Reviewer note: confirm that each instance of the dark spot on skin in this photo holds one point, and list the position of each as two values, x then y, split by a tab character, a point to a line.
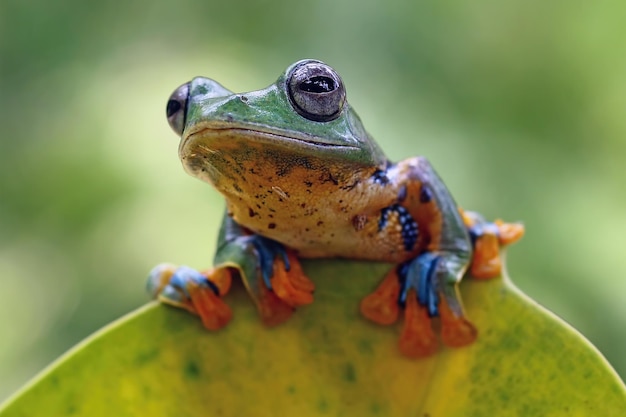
358	221
271	216
308	183
327	176
402	194
258	206
303	205
307	229
351	186
425	194
271	226
236	188
340	201
251	212
320	223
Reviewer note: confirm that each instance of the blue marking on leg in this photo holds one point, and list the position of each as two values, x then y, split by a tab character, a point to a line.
402	272
184	274
419	274
268	250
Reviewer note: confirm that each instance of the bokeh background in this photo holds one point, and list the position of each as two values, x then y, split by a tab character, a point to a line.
520	106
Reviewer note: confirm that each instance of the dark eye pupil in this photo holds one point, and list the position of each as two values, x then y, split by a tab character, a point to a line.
318	85
172	107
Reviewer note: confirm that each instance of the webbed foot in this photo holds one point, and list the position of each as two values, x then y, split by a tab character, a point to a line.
413	287
197	292
487	239
282	286
271	273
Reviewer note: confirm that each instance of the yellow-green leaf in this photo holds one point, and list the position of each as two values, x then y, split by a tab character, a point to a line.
328	361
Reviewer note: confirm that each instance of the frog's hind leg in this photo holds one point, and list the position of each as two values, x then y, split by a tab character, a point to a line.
420	288
427	281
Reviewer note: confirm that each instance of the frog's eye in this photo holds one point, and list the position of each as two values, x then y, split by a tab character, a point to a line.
176	109
316	91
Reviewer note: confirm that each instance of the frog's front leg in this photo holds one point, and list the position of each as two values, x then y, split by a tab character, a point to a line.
425	284
270	272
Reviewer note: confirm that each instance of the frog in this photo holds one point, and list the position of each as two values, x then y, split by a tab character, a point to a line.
303	179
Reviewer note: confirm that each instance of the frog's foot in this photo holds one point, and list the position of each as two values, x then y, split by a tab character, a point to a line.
288	288
197	292
487	239
412	286
280	284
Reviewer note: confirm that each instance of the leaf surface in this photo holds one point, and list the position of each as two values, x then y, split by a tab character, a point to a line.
328	361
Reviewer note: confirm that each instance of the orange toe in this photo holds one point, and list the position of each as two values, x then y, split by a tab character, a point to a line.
486	262
417	338
214	313
381	306
456	331
272	309
220	277
297	276
509	232
292	286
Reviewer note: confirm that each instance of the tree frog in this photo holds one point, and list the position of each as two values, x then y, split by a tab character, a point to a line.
303	179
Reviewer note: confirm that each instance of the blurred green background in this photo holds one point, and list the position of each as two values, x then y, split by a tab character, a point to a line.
520	106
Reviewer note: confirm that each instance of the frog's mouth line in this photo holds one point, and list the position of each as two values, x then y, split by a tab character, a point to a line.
263	136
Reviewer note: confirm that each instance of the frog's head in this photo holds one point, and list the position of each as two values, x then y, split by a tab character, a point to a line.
303	118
